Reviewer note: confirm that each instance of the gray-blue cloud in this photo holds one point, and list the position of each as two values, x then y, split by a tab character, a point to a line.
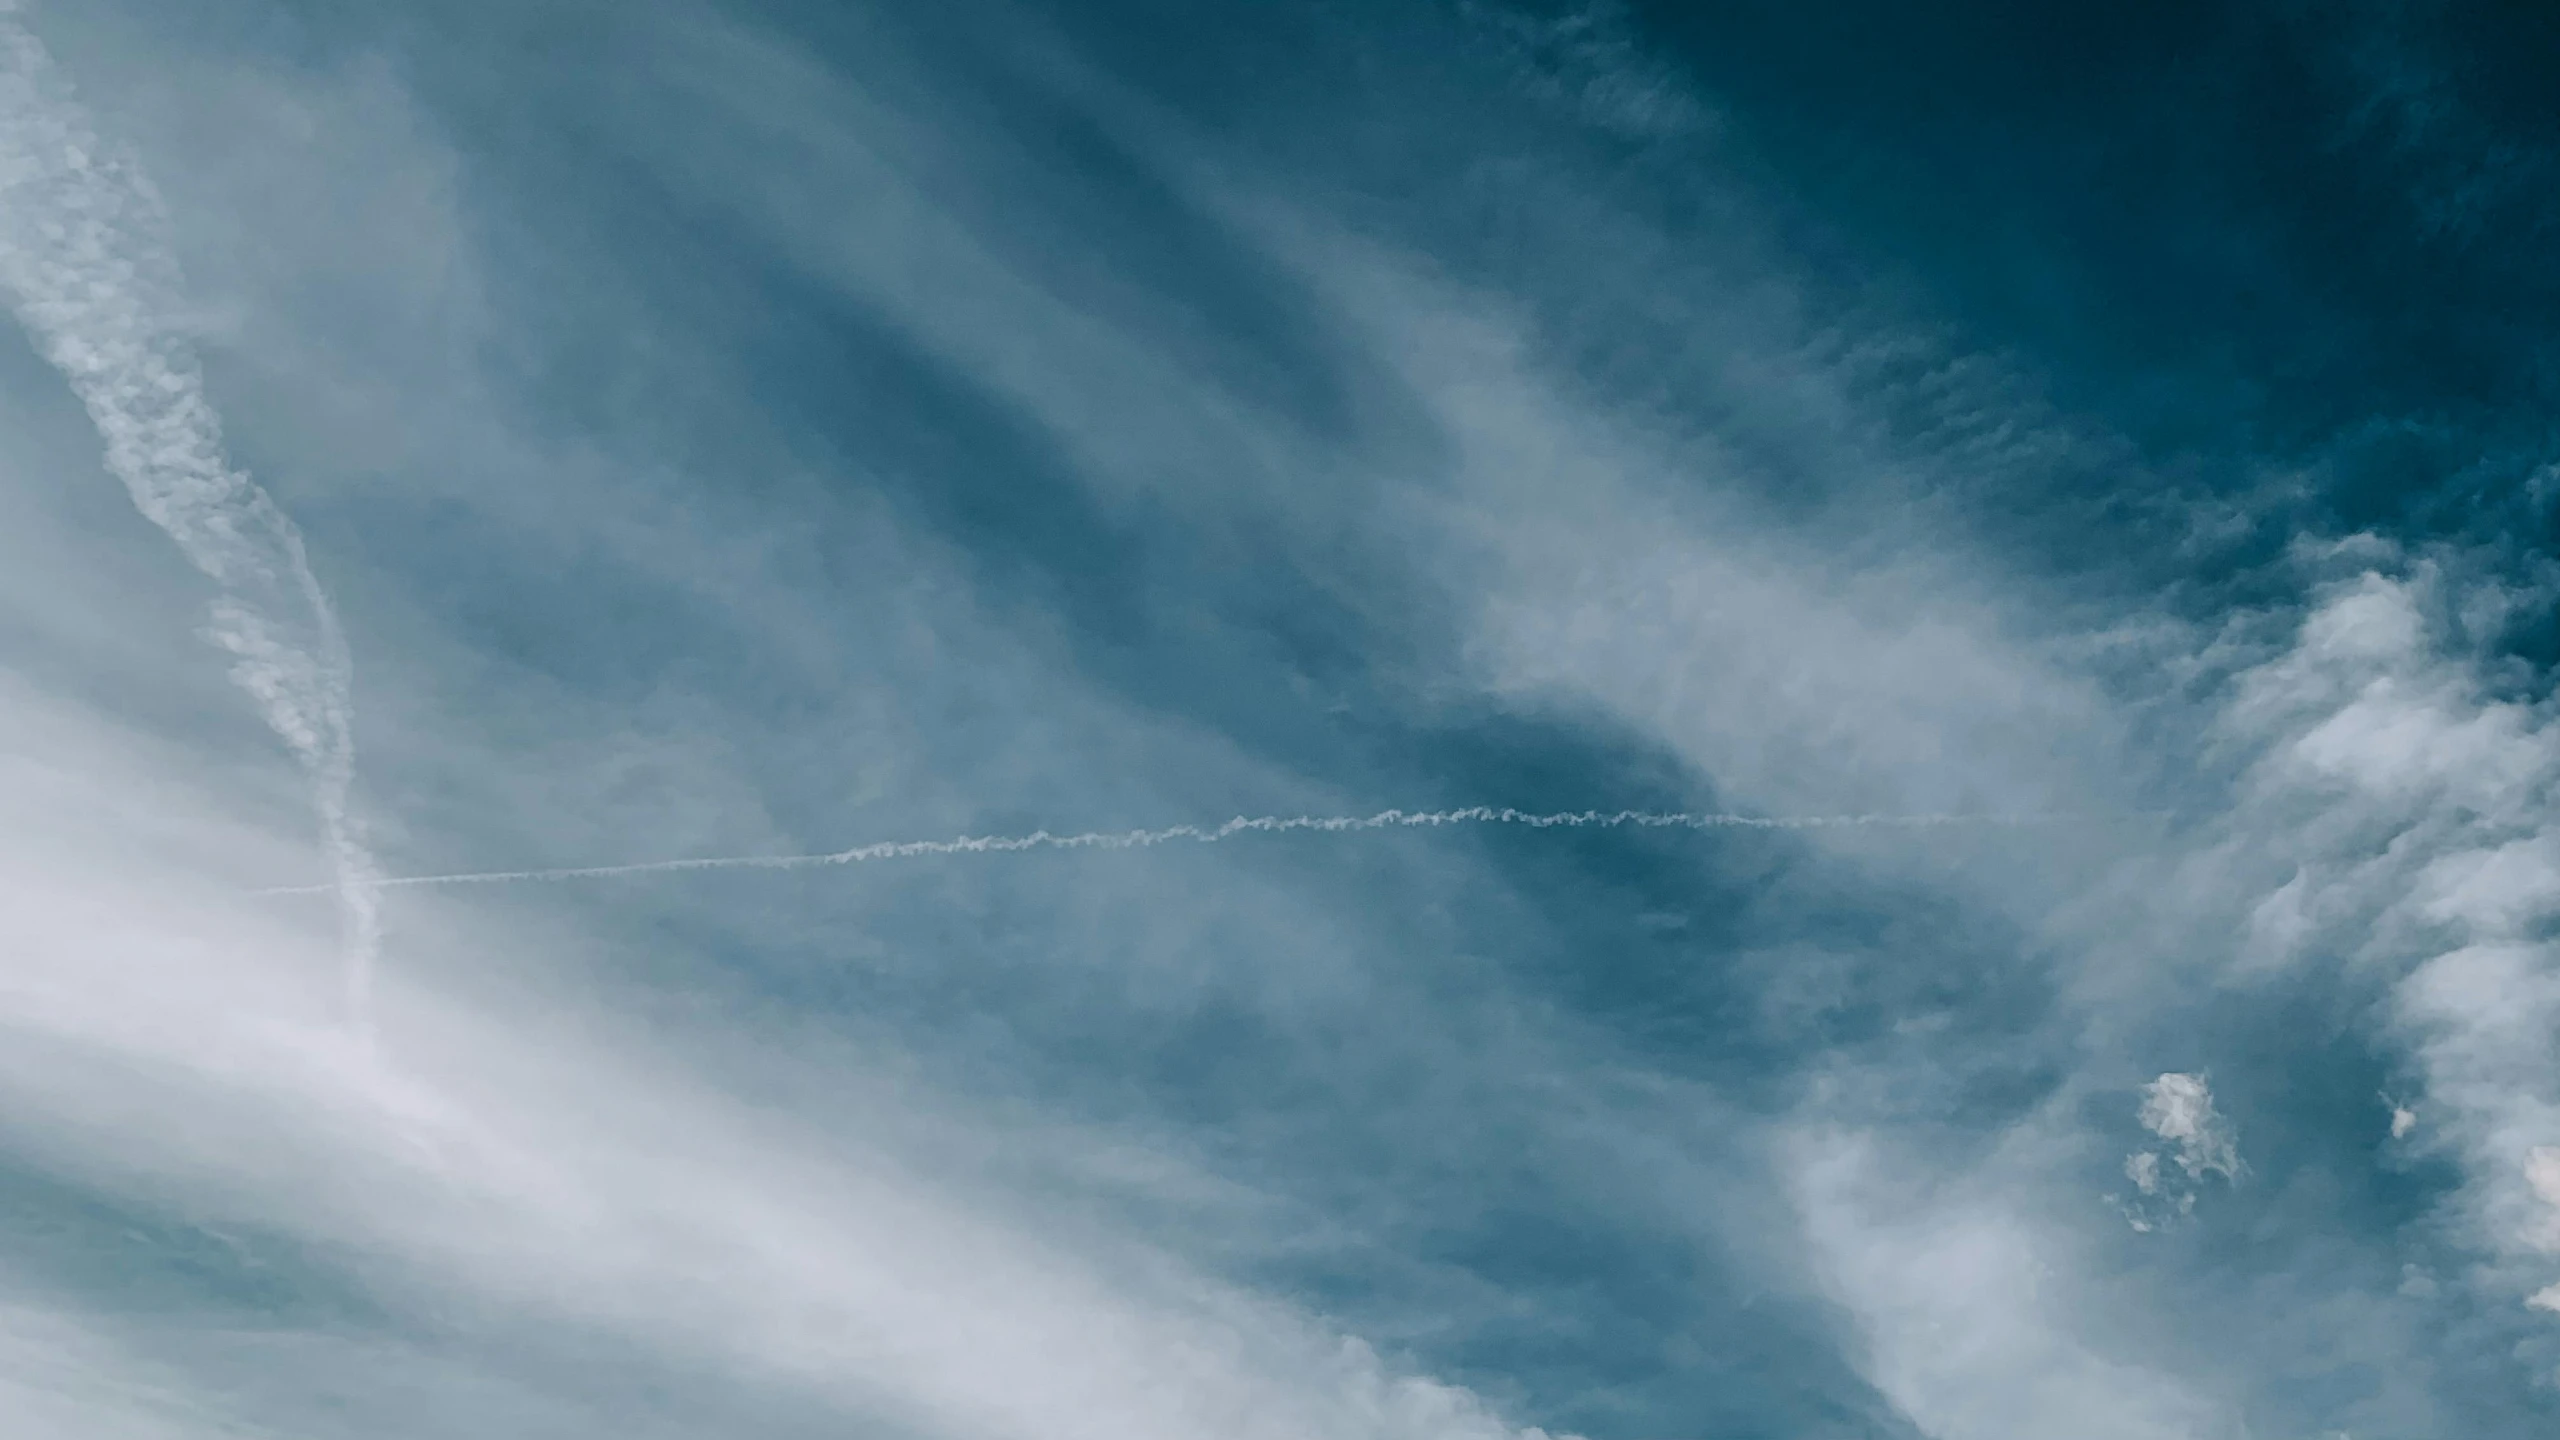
756	429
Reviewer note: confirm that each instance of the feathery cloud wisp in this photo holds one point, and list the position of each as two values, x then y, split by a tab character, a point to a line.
86	276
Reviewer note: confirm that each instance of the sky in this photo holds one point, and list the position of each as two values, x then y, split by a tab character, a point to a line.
1417	720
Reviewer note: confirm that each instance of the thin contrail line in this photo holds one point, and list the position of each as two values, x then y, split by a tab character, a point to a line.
1199	834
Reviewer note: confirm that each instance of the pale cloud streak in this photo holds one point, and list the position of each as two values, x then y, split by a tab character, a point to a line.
1597	571
488	1156
86	274
1965	1302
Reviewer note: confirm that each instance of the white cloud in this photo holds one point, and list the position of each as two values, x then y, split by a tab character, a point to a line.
168	1033
1792	681
2143	1168
1967	1307
1609	573
2415	802
2542	1172
2179	1109
537	1157
81	261
2542	1177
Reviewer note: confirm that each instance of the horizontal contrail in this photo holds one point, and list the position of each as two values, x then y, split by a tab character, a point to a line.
1200	834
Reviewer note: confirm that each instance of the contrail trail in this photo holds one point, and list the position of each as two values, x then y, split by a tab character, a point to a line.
82	261
1199	834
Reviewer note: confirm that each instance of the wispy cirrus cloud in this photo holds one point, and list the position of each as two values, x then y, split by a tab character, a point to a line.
784	426
86	273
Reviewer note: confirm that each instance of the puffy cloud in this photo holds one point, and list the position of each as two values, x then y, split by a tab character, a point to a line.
2179	1109
2412	794
2143	1169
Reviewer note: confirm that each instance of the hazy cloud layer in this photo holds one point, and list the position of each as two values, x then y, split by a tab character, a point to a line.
1634	506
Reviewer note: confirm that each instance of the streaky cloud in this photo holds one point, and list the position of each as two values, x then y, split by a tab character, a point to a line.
88	277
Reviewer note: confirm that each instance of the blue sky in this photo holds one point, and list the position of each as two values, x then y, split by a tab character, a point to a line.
471	436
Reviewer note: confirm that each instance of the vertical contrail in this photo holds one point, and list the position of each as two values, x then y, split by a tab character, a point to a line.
85	267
